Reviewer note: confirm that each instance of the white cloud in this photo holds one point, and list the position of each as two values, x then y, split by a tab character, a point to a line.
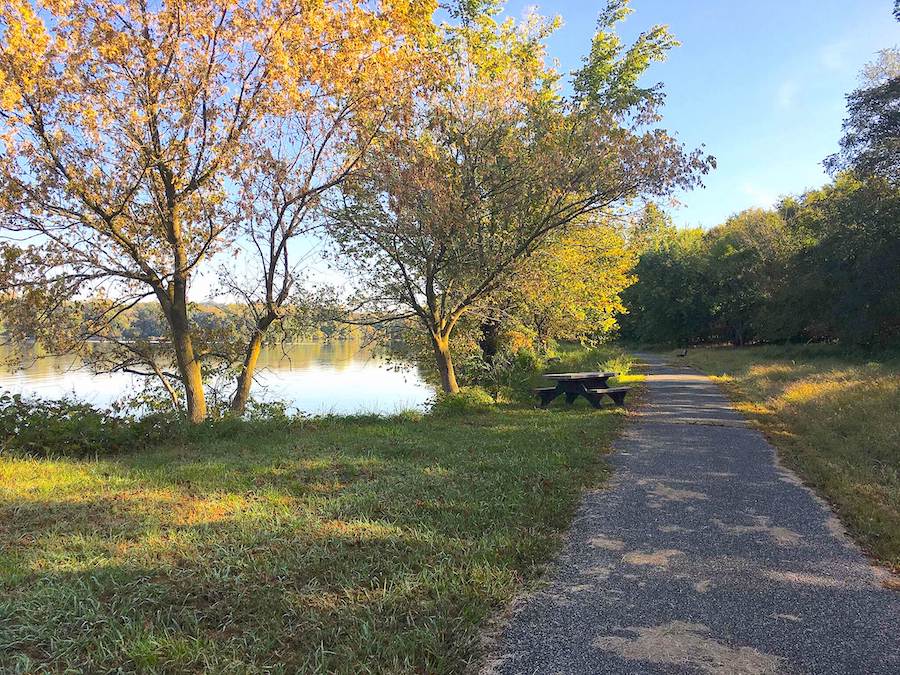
834	55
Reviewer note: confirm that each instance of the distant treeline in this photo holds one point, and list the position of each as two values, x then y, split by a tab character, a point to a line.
145	321
821	266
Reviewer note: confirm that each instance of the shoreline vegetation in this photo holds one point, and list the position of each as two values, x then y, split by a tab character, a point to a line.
834	416
355	544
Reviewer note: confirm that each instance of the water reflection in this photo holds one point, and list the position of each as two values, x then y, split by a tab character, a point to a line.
341	376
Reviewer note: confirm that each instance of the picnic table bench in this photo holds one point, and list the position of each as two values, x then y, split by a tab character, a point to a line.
590	385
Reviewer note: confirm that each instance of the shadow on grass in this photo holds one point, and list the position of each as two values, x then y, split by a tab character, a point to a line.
368	547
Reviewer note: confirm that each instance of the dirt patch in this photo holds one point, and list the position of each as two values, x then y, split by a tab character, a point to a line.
780	535
803	578
679	643
790	478
599	572
659	558
660	492
567	596
607	544
891	582
836	527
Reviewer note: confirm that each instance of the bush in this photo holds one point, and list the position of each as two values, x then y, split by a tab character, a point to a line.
71	428
620	363
68	427
466	400
510	373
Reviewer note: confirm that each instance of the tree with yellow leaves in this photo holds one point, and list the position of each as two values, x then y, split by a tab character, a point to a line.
125	127
571	288
305	151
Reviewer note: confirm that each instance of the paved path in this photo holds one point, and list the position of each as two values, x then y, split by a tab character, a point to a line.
703	556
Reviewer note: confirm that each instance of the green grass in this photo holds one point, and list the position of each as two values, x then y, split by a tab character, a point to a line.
835	418
342	545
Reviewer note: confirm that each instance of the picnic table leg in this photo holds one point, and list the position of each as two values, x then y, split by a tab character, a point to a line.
618	397
547	397
570	397
596	400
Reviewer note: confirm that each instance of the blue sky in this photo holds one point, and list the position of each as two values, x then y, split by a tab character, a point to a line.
760	82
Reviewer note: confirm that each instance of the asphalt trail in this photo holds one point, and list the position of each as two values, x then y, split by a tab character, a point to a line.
702	556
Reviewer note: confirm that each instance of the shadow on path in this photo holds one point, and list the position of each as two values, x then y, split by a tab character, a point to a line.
702	556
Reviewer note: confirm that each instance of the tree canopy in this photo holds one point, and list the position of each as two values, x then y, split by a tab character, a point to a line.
495	160
871	141
126	126
815	268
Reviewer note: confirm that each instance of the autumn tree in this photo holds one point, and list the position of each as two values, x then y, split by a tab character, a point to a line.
568	289
125	127
306	149
495	160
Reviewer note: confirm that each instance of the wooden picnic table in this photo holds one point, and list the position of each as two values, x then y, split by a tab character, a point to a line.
590	379
591	385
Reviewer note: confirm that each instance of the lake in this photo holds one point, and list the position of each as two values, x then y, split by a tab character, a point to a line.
340	377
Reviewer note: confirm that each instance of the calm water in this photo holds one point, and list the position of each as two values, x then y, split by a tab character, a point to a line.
314	377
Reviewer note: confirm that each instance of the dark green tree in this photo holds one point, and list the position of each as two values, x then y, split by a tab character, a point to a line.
744	255
870	145
841	283
671	301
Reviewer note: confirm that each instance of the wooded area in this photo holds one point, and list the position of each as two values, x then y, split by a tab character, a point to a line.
822	266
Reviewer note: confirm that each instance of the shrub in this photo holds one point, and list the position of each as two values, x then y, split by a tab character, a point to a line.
620	363
510	372
466	400
68	427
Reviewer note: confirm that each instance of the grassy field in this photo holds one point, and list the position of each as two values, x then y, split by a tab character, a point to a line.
835	419
336	545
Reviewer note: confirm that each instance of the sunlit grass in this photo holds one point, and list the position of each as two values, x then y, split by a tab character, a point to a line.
367	545
835	419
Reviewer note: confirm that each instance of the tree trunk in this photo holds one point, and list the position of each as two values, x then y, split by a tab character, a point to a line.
185	357
441	344
191	375
245	378
251	356
543	339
